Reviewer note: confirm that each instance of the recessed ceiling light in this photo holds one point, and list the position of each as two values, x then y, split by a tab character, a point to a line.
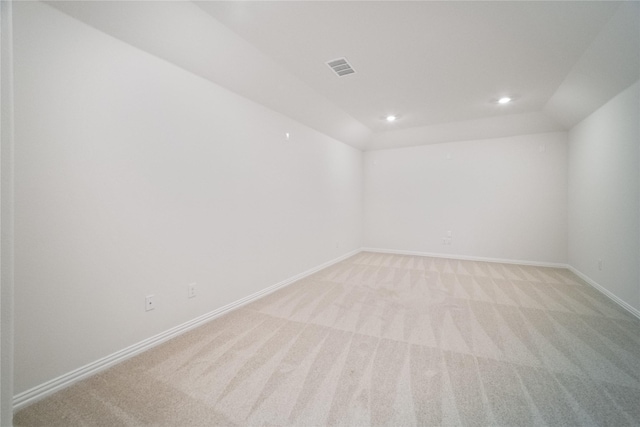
504	100
391	118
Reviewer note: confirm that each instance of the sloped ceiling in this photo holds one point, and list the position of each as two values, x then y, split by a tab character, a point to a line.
438	66
610	64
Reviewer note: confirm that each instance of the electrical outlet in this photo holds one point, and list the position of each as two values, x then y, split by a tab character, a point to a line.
149	302
191	290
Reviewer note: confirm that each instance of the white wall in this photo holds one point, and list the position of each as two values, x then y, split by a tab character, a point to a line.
6	215
604	196
501	198
135	177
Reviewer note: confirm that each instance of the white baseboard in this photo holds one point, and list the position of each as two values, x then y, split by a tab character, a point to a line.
632	310
467	258
605	291
38	392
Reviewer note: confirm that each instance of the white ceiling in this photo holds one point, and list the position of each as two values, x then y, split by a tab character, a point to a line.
439	66
429	62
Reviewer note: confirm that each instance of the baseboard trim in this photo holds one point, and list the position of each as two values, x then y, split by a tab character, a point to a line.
38	392
605	291
632	310
467	258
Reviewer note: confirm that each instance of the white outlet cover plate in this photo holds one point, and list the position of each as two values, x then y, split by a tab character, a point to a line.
149	303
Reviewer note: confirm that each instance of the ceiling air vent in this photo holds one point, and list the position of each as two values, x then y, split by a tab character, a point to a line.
341	67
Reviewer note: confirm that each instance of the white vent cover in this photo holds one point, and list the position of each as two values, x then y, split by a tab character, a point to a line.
341	67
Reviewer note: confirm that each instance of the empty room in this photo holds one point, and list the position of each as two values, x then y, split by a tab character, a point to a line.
302	213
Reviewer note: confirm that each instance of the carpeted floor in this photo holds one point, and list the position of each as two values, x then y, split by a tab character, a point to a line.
383	339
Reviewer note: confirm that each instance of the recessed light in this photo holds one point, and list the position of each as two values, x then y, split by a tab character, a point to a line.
391	118
504	100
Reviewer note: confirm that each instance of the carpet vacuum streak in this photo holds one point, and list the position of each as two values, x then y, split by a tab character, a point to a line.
381	339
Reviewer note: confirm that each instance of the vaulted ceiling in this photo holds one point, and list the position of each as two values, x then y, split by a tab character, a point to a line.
438	66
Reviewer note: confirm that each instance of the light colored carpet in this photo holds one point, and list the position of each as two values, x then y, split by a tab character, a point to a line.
383	339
